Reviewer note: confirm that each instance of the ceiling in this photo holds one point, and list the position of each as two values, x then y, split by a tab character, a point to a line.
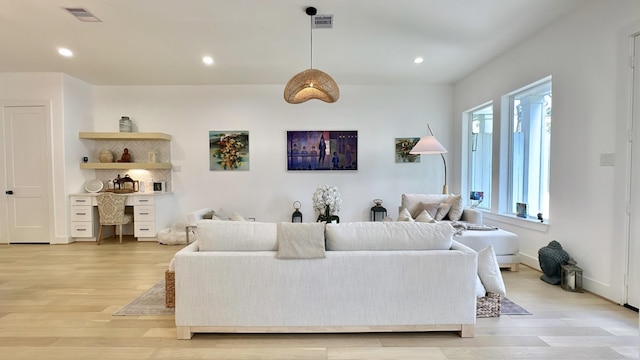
162	42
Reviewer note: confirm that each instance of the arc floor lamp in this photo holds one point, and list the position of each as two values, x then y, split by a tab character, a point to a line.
429	145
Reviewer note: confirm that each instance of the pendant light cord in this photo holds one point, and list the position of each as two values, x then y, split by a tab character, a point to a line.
311	36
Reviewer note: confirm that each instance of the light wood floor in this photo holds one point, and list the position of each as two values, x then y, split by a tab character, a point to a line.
56	302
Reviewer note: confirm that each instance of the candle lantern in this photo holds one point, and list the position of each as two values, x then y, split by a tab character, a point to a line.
378	213
571	277
296	217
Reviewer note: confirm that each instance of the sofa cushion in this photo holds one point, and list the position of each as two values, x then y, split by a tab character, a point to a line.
300	240
237	217
412	201
443	211
405	215
480	289
388	236
216	235
430	208
194	216
489	271
415	203
455	213
424	217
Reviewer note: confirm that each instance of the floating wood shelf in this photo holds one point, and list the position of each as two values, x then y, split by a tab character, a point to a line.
124	136
125	166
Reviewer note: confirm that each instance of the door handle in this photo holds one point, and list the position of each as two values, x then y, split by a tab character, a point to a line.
9	192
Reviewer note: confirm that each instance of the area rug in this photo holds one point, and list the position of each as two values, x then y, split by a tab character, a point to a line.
152	302
508	307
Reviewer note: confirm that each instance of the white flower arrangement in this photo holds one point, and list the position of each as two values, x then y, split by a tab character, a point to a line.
327	195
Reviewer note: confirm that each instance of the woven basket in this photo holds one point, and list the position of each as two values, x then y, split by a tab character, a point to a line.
170	289
488	306
120	191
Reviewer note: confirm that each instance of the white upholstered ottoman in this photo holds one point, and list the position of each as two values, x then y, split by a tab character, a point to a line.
505	244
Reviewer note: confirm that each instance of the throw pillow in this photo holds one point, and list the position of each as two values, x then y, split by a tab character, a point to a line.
387	219
480	290
489	271
442	212
455	213
411	201
301	240
237	217
209	215
424	217
405	215
430	208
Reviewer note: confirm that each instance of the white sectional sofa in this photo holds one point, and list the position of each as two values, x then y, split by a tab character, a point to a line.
505	244
371	277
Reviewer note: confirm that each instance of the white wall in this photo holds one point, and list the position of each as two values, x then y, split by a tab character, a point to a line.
78	114
267	190
586	52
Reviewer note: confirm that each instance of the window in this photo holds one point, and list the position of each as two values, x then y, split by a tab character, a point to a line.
529	145
480	137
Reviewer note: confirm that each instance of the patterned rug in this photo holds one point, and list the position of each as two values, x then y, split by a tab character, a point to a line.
508	307
152	302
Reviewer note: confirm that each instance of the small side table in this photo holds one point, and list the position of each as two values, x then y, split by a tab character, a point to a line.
188	229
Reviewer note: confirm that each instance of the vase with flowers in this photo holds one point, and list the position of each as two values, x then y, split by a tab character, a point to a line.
327	201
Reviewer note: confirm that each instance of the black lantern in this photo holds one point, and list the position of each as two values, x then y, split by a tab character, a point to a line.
378	213
296	217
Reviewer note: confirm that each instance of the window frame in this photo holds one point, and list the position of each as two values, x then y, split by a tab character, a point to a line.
469	116
540	87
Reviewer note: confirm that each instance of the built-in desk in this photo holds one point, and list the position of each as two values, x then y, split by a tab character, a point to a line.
152	212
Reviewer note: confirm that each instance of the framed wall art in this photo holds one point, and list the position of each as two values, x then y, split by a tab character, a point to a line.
322	150
403	147
228	150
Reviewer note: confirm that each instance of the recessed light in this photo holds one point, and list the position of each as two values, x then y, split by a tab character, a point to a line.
418	60
208	60
65	52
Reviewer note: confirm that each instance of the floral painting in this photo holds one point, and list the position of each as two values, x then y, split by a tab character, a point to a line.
322	150
403	147
228	150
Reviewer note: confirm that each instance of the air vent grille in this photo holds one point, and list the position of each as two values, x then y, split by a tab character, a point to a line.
83	14
323	22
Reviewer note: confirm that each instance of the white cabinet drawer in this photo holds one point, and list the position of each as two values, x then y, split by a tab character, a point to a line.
81	200
144	229
142	200
81	229
81	213
144	213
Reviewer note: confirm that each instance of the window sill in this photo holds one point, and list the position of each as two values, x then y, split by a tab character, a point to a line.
516	221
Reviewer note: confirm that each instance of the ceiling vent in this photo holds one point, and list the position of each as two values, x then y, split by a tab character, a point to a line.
83	14
323	22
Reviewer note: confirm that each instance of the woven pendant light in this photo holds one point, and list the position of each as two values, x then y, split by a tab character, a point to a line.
311	83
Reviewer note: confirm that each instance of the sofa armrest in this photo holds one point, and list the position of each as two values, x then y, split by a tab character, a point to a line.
472	216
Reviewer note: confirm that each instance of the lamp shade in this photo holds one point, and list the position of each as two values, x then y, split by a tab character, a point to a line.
311	84
428	144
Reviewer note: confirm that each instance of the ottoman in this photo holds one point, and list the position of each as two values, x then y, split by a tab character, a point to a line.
505	244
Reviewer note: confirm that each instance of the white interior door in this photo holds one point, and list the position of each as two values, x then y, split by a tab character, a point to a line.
633	273
26	174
